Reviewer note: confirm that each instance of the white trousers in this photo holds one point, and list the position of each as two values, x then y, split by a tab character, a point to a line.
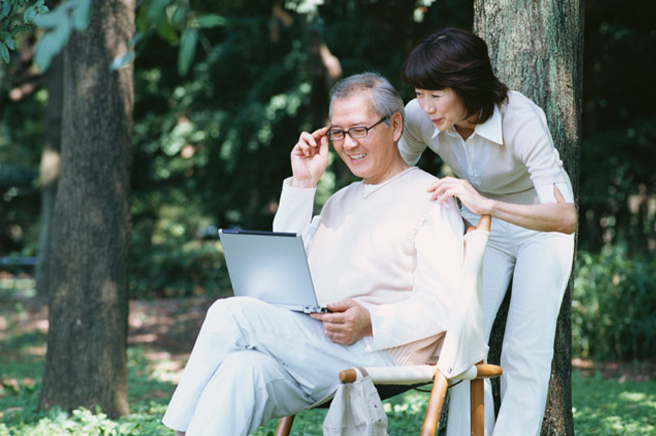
539	264
253	362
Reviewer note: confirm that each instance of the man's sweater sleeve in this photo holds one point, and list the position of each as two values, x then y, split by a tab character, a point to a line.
295	209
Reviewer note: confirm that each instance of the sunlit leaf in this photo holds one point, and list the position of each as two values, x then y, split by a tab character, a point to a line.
136	38
11	44
51	19
6	9
179	17
43	54
210	20
121	61
51	44
4	52
31	12
141	20
81	14
187	50
156	10
166	31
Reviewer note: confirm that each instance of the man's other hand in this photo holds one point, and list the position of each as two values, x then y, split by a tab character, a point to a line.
347	322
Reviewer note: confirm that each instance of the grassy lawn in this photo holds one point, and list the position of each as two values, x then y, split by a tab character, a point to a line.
159	341
613	407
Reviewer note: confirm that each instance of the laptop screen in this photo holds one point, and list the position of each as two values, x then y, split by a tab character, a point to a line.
270	266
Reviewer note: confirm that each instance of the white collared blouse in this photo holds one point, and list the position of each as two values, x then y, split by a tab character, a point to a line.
510	157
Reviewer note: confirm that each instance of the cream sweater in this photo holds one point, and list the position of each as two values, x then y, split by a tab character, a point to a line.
389	248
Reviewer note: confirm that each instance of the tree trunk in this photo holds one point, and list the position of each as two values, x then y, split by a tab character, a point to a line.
536	47
49	171
86	355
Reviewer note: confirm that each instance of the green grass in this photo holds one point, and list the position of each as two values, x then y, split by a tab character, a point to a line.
601	407
611	407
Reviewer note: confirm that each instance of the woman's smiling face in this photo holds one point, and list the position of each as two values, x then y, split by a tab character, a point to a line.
444	107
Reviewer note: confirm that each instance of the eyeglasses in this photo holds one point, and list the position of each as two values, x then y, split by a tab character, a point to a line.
353	132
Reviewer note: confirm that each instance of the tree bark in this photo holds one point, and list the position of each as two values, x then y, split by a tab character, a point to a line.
536	47
86	355
49	171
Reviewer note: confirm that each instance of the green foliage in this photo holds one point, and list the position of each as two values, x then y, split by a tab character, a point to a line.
69	16
213	150
33	11
11	25
216	142
170	255
58	25
175	22
188	43
613	307
618	180
618	191
20	146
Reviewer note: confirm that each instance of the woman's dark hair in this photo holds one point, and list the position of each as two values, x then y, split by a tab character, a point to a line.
457	59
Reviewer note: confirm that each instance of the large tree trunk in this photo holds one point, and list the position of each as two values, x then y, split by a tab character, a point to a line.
49	171
86	356
536	47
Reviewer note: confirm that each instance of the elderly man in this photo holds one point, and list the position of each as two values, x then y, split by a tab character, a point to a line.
385	260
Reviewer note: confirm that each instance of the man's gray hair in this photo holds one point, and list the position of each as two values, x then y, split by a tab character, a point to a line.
386	99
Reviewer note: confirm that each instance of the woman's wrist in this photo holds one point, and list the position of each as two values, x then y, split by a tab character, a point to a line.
489	207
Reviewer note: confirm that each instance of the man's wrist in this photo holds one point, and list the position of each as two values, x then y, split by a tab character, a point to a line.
302	184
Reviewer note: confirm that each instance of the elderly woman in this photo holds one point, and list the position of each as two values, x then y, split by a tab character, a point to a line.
385	258
498	144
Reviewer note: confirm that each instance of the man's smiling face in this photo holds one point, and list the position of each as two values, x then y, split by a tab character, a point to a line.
374	157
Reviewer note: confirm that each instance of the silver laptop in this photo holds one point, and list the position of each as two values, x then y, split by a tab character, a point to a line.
270	266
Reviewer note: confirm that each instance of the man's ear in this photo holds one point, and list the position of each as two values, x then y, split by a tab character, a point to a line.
396	121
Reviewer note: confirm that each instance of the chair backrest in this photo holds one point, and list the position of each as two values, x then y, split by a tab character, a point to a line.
464	343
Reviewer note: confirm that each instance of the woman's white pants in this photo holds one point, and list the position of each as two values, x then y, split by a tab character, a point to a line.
539	264
253	362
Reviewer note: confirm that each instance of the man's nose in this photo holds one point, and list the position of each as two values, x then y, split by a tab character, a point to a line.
349	142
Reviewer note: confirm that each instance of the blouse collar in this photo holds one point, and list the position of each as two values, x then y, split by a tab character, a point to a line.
491	129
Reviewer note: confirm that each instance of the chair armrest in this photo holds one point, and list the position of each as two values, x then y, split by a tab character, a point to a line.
411	375
484	223
393	375
479	371
486	370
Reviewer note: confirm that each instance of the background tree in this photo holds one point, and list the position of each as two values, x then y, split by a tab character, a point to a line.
537	48
49	172
86	353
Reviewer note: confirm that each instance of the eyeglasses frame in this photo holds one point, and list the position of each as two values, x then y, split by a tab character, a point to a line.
348	131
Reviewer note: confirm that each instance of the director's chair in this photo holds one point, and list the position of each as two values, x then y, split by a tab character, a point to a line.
462	354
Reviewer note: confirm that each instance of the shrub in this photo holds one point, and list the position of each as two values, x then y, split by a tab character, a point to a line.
613	306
